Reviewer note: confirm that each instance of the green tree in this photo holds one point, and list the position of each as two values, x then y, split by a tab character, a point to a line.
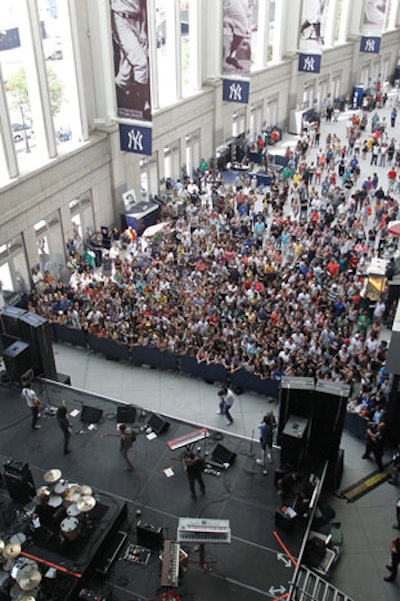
18	88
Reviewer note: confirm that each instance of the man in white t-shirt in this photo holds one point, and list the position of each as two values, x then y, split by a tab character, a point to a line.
33	403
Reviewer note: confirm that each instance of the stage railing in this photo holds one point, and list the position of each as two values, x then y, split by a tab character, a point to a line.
140	355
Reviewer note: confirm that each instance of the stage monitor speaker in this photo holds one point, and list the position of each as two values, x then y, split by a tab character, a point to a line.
149	536
91	415
19	481
36	331
222	455
18	359
126	414
157	423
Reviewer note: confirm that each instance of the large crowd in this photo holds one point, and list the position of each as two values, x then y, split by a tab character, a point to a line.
266	279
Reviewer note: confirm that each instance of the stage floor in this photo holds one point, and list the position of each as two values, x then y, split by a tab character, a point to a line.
257	564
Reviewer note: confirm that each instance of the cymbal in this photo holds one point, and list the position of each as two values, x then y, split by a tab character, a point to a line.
52	476
25	597
11	551
43	491
2	545
72	491
85	490
28	578
86	503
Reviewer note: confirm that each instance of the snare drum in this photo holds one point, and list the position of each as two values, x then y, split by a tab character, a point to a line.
70	528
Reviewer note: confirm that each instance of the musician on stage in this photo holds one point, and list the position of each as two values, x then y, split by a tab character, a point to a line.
194	467
126	439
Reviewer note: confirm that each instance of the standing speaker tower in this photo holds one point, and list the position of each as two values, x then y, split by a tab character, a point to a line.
35	330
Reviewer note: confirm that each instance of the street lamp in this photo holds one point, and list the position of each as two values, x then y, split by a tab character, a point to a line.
21	108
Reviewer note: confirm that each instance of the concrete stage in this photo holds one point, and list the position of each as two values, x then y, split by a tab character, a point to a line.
258	563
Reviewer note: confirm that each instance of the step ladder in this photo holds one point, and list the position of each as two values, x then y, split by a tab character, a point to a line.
311	587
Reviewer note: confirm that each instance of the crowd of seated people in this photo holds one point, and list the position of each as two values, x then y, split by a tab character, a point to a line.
269	280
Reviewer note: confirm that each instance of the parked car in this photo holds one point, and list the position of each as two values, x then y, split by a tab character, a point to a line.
18	130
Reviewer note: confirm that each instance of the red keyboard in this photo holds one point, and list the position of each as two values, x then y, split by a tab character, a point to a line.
188	439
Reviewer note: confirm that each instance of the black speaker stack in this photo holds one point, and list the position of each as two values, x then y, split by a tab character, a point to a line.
18	361
311	419
18	480
33	330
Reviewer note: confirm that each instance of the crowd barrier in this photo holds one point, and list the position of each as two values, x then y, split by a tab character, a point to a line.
355	424
139	355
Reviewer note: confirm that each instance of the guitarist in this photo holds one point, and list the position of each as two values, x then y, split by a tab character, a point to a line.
126	439
33	402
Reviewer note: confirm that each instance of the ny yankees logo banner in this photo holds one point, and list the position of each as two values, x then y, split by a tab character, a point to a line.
312	35
372	24
135	138
129	25
237	50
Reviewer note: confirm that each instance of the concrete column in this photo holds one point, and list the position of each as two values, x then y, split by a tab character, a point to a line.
330	23
176	34
344	22
393	20
152	27
260	58
212	35
8	159
279	44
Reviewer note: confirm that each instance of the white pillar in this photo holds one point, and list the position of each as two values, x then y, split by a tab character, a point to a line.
212	34
8	159
36	76
393	15
195	30
260	59
330	23
152	27
278	44
344	22
178	49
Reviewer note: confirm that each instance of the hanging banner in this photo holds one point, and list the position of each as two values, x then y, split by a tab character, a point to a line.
132	72
373	21
135	138
237	50
311	39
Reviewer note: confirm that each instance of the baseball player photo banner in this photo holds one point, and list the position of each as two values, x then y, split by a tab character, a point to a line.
311	39
236	64
373	20
135	138
131	58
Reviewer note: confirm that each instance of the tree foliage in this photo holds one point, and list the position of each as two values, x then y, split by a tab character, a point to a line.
18	88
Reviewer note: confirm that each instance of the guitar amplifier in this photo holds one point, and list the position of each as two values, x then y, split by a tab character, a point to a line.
18	480
149	536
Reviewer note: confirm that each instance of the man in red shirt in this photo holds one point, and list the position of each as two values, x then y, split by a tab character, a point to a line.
392	178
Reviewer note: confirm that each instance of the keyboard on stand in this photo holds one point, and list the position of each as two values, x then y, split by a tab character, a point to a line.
188	440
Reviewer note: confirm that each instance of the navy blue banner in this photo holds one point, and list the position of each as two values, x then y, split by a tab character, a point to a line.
135	138
236	91
310	63
370	44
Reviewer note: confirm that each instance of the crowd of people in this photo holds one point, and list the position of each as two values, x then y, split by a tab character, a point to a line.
266	279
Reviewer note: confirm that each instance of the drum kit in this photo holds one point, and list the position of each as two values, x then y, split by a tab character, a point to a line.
77	501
